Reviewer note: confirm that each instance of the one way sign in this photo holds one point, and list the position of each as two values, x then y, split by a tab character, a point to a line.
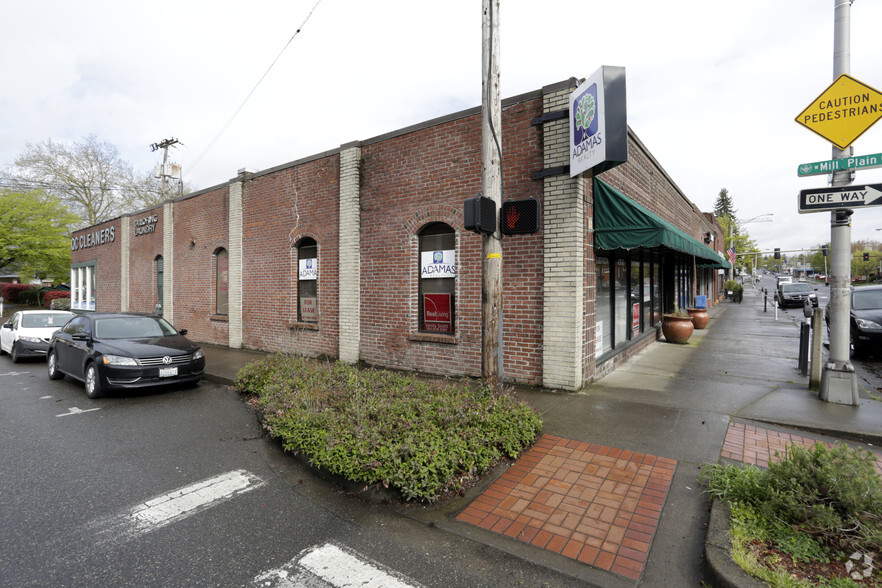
819	199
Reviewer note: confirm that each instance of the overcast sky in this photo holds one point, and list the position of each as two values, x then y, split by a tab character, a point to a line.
713	87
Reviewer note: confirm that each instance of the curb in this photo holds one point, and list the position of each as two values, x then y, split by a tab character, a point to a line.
719	567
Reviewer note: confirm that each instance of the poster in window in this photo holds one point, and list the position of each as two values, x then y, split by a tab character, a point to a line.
308	269
438	264
308	309
635	318
436	313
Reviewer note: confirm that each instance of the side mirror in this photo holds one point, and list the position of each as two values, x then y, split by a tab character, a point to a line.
183	331
7	325
80	337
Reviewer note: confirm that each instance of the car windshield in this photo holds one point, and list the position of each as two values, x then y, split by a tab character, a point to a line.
867	299
41	320
796	288
132	327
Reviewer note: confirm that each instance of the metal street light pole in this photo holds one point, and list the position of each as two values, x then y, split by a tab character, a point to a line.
838	381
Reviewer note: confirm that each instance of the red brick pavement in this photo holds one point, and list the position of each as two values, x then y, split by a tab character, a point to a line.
595	504
758	445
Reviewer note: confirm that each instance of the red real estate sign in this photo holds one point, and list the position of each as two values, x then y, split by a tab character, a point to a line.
436	313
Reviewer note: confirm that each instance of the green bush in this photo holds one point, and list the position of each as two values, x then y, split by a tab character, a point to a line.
30	297
60	303
380	427
58	295
811	502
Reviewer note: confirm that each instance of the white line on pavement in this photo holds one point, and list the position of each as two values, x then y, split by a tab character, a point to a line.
335	566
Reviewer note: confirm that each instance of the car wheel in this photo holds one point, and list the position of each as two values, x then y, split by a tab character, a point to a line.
93	382
52	366
13	353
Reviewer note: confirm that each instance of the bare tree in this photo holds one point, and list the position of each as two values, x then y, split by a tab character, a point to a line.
89	177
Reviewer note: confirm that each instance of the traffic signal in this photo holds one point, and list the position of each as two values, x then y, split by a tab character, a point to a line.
479	215
521	217
866	256
825	250
777	253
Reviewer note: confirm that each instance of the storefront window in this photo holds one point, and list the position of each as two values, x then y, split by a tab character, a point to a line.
620	302
83	279
222	281
636	301
656	292
603	316
159	279
437	283
307	281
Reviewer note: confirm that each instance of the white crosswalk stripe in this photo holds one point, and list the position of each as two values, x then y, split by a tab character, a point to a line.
332	566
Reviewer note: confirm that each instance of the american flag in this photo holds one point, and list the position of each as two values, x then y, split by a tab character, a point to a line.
731	252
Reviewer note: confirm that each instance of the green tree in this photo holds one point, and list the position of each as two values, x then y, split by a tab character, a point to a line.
35	235
724	207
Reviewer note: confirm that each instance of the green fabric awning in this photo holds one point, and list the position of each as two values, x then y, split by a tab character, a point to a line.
620	223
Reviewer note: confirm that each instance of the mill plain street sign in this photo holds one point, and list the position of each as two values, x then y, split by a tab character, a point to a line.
843	112
834	165
820	199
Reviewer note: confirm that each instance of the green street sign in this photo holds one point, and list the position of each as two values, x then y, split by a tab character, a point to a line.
833	165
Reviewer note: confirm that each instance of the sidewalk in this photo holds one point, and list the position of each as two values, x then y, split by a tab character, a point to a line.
610	493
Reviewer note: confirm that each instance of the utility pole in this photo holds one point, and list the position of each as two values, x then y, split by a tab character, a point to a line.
164	145
839	382
491	186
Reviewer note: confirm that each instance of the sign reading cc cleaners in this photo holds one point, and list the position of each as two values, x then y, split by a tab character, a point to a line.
843	112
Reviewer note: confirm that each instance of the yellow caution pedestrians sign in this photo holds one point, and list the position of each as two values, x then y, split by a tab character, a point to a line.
843	112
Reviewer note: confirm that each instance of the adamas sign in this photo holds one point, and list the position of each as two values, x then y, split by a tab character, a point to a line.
438	264
599	122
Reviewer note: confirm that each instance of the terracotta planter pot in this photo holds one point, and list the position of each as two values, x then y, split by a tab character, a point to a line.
677	329
699	317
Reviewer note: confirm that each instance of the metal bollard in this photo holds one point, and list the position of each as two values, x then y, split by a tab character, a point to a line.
803	347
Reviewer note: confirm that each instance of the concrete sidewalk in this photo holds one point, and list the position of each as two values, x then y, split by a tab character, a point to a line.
610	493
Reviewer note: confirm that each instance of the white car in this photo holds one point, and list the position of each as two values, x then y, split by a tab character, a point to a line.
27	332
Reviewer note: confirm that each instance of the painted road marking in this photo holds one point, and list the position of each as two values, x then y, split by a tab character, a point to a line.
14	374
335	566
175	506
75	410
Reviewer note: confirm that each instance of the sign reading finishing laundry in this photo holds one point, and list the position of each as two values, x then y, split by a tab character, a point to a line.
599	122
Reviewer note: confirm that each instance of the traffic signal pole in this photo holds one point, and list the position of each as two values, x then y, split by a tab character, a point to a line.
838	381
491	186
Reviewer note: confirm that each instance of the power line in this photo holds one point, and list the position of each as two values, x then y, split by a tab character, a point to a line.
248	97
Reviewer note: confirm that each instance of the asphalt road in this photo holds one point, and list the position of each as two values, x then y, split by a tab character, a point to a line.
179	488
868	368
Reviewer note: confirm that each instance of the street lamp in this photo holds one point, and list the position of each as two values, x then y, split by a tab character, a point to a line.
762	218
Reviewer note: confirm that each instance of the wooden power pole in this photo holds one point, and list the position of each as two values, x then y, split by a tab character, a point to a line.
491	185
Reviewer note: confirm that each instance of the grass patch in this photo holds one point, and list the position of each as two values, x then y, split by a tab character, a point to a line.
799	522
420	437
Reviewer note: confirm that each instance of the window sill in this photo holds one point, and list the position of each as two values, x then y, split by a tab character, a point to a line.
297	326
429	338
220	318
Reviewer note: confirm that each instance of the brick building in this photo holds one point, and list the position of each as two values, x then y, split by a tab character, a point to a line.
333	254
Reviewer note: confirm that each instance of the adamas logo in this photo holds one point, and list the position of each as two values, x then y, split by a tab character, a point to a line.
438	257
309	264
585	121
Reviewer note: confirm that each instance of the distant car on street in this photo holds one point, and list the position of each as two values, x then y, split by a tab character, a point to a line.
27	332
790	294
865	321
111	351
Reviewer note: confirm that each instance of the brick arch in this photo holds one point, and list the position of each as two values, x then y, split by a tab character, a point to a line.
435	213
300	232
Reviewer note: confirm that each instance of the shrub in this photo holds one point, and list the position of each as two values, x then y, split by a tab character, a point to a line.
380	427
51	295
61	304
10	292
832	496
30	296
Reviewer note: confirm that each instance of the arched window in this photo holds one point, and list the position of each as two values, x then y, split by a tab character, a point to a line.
437	289
159	279
222	281
307	281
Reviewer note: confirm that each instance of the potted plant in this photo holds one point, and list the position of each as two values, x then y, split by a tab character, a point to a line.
677	326
699	316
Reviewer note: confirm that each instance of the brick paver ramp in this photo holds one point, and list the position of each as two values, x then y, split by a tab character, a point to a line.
595	504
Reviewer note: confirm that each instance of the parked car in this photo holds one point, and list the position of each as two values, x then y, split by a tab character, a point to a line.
111	351
796	294
782	280
27	332
865	320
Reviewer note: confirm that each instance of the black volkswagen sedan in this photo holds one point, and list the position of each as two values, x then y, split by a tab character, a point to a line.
865	322
110	351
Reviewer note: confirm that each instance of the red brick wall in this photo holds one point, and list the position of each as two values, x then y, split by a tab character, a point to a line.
143	250
423	177
201	228
279	210
107	257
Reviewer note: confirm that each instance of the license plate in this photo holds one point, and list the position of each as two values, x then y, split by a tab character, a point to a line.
167	372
